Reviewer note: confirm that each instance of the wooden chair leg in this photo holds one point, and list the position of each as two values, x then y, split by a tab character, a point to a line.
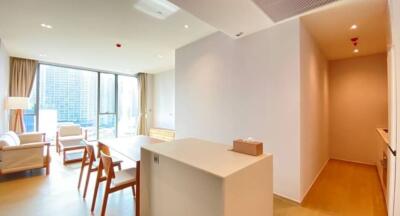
104	206
105	199
57	147
87	182
64	154
80	174
83	164
48	158
96	188
48	168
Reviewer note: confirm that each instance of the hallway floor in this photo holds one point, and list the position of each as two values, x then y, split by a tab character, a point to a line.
342	189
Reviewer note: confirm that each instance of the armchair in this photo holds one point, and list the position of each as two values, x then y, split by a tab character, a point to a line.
69	132
24	152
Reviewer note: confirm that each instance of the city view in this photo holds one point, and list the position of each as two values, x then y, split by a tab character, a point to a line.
70	96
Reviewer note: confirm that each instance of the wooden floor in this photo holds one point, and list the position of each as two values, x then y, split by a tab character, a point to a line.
33	193
342	189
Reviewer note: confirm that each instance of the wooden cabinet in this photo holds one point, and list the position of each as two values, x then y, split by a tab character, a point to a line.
382	157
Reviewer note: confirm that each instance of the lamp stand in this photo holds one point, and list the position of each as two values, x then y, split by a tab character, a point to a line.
19	119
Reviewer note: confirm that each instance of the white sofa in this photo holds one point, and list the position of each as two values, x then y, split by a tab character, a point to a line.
23	152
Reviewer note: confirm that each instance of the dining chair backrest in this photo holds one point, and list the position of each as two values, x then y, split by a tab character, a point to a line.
107	165
103	149
90	153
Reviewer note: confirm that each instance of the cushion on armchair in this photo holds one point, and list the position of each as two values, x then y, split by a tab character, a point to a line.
31	137
9	139
67	138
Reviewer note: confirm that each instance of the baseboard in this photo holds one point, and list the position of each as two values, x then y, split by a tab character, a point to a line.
315	179
286	198
353	161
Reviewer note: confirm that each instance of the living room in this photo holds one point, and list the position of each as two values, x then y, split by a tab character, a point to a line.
133	107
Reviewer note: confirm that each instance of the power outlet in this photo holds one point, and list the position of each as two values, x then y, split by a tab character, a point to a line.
156	159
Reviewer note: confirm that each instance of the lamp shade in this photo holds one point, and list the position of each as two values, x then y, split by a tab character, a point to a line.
14	103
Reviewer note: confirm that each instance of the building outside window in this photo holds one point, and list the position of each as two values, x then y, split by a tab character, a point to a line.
70	96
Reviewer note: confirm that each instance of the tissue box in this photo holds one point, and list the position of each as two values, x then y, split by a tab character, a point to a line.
250	147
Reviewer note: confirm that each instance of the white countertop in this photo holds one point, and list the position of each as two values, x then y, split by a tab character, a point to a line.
213	158
384	134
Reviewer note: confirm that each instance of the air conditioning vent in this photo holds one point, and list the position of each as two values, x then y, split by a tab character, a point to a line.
160	9
279	10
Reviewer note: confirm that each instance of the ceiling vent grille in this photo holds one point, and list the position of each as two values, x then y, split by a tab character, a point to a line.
160	9
279	10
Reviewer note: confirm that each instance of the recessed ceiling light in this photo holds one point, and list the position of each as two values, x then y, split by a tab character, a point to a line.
353	27
42	55
356	51
46	26
186	26
160	56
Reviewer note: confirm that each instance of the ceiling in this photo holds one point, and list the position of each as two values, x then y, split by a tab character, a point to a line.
85	33
239	18
229	16
331	28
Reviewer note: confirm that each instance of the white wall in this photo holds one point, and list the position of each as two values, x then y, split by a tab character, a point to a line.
314	111
164	100
358	104
227	89
4	83
394	6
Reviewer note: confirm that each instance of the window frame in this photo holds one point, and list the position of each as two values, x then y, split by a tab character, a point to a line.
98	114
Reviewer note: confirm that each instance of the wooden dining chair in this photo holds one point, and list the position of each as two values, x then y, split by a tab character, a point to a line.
115	181
89	160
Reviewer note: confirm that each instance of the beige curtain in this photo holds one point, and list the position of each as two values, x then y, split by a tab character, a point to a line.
142	122
22	75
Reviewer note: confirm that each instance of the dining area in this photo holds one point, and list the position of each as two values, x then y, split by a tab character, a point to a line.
99	162
166	176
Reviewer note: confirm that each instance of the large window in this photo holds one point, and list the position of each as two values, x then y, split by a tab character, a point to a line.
127	108
67	96
103	103
107	114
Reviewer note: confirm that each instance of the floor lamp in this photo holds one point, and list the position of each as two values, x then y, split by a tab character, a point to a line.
18	104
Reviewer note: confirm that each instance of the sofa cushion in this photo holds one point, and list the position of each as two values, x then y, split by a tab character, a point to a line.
9	139
15	137
5	140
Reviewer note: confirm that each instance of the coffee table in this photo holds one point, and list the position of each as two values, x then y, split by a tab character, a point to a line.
72	150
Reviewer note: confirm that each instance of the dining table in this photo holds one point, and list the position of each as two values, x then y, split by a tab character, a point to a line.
130	147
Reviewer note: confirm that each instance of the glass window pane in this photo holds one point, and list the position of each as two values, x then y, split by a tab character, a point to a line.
107	93
107	126
30	114
67	96
127	106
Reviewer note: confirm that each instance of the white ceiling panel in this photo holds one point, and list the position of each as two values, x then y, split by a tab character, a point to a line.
233	17
85	33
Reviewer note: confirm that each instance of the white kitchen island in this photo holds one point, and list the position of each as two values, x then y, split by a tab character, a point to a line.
192	177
